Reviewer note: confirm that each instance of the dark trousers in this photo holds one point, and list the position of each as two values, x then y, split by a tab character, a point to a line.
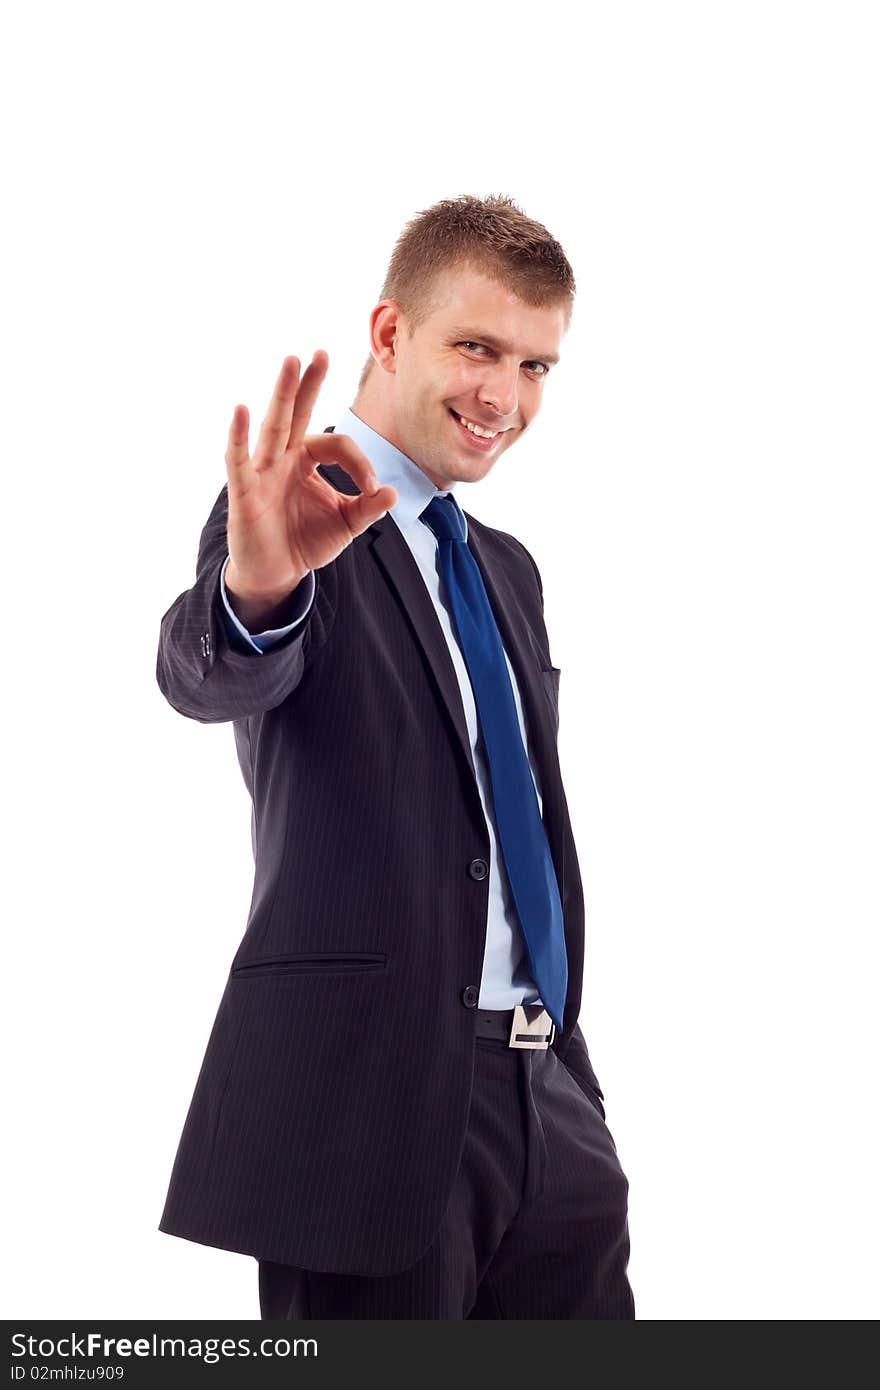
536	1225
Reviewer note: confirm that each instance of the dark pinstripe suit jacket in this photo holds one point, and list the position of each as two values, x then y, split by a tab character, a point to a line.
329	1114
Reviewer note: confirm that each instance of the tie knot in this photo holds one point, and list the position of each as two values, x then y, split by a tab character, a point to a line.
444	519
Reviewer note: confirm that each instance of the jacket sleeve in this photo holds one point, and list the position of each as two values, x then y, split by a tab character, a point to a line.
204	671
577	1059
575	1056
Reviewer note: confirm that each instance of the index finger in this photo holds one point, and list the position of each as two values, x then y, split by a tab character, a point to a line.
341	449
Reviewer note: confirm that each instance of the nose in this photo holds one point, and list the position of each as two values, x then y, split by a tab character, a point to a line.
499	389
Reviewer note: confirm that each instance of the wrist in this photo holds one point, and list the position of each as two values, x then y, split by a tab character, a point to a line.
259	609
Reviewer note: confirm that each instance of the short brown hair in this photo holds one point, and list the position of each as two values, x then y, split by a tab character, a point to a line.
494	235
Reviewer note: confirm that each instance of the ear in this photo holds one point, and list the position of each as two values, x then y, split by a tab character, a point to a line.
385	323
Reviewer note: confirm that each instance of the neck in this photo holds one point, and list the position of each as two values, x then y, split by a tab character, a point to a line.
369	406
374	408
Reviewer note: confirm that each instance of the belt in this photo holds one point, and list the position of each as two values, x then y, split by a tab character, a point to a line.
526	1025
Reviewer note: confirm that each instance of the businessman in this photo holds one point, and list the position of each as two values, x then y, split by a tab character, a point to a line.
396	1114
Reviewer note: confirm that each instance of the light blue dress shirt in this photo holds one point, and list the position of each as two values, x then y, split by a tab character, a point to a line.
506	978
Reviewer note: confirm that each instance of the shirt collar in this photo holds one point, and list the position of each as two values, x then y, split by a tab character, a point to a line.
413	487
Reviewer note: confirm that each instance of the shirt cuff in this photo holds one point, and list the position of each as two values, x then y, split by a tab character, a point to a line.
304	591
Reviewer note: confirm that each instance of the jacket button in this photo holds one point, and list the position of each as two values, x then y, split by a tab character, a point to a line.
478	868
470	997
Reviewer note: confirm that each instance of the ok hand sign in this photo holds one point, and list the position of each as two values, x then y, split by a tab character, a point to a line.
284	519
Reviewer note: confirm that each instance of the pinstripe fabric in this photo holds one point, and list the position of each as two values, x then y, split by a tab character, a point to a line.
535	1226
329	1114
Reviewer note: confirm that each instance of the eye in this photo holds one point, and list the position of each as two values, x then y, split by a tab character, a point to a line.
540	367
475	347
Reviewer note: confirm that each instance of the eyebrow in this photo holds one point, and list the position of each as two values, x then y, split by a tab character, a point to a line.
499	344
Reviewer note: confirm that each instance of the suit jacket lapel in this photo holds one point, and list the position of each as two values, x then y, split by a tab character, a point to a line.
396	559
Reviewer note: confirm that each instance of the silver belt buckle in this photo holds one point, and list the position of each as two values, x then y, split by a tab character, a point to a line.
529	1027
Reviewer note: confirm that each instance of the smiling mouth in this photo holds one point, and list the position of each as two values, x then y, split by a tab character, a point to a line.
477	431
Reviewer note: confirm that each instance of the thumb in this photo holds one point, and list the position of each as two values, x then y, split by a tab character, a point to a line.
363	510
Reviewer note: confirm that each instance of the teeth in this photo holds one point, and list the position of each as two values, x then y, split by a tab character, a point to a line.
477	429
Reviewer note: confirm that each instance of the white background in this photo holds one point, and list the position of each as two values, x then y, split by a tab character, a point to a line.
194	191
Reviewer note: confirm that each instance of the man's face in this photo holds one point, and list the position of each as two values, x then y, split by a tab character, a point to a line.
482	355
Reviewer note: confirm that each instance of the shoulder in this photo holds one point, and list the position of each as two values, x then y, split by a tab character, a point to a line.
505	548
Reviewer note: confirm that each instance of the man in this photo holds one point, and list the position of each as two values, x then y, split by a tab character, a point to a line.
396	1114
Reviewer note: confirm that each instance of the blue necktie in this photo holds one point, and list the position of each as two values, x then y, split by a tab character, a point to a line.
523	840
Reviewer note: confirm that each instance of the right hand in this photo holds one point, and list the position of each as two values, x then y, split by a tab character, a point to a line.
283	518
